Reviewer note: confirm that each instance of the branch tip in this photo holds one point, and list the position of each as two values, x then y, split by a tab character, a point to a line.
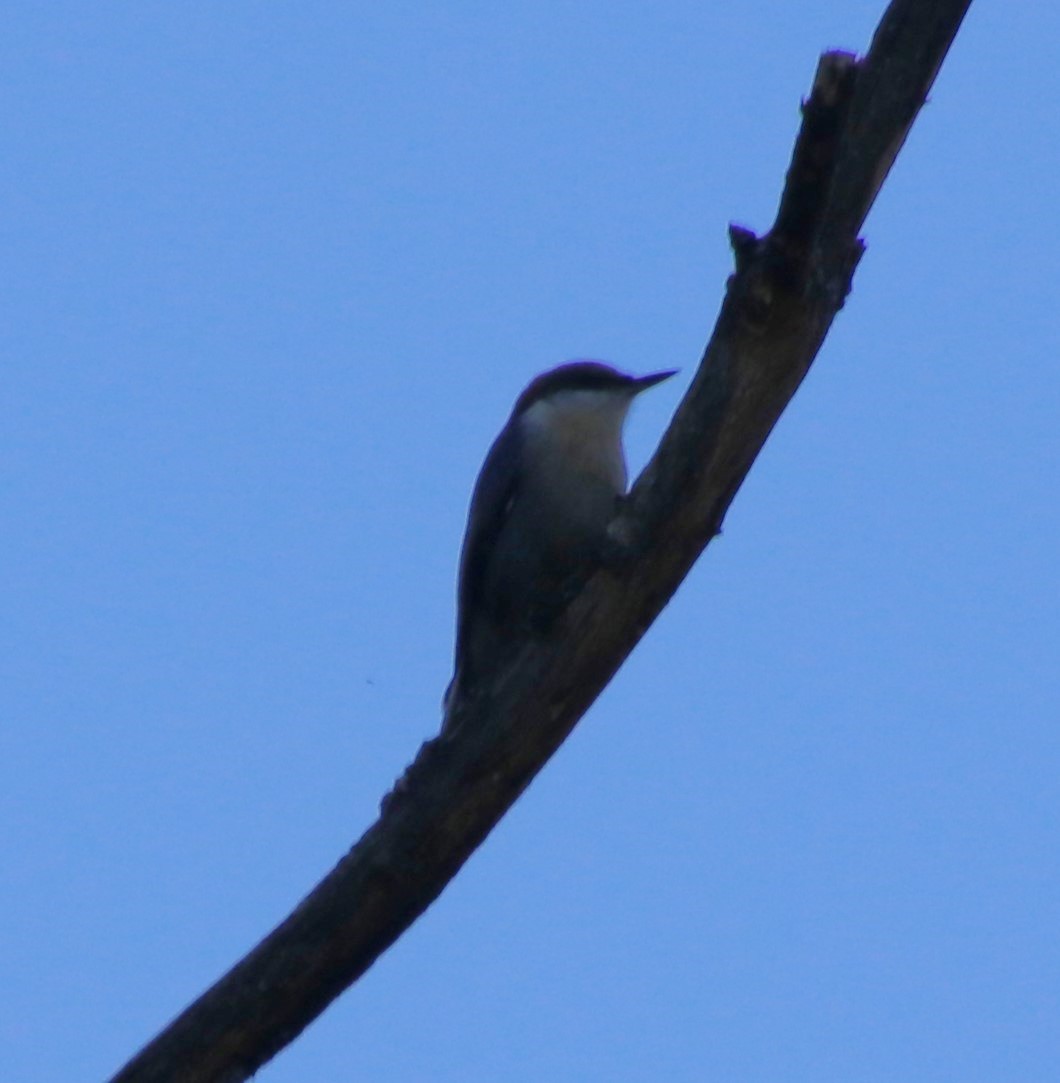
745	244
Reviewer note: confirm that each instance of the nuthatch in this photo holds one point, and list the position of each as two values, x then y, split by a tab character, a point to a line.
540	509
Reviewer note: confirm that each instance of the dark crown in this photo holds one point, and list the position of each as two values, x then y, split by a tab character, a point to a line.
575	376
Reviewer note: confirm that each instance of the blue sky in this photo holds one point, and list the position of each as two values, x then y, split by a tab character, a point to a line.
274	275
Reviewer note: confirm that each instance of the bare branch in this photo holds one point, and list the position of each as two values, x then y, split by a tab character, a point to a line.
786	290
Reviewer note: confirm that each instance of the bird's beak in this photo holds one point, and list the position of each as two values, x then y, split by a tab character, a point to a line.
642	383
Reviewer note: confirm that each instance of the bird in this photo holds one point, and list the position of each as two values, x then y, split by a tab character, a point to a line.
548	488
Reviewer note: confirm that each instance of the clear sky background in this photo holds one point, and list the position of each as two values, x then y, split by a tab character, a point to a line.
273	276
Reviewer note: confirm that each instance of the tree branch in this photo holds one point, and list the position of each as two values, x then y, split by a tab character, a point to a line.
786	289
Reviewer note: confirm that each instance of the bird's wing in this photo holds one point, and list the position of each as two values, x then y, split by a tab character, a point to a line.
495	493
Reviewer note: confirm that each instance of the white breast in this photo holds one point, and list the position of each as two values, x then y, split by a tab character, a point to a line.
577	435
